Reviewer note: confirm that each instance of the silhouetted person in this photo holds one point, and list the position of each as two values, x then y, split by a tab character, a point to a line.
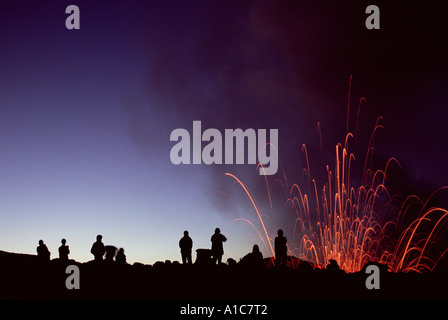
333	266
185	245
280	249
256	254
98	248
217	248
231	262
42	251
121	257
253	259
110	253
63	251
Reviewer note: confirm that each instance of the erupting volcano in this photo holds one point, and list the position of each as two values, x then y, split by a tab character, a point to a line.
355	224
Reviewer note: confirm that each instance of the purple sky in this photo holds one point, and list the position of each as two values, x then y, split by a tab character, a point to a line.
85	115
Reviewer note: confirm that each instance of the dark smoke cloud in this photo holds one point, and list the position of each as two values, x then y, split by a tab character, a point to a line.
287	65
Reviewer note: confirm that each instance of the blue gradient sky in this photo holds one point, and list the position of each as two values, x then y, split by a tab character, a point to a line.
85	115
69	165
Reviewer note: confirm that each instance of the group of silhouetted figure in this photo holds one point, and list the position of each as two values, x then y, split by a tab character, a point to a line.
99	250
44	254
217	249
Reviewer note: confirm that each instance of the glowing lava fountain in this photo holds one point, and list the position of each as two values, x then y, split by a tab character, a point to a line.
355	224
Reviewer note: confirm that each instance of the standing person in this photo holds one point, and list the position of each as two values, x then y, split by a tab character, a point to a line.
63	251
185	245
217	248
42	251
98	248
280	249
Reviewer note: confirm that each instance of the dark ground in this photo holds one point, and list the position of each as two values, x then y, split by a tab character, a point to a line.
25	277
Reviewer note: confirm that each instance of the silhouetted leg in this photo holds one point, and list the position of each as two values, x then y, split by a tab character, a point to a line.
282	261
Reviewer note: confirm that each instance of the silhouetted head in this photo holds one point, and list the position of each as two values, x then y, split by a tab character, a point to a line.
63	241
99	237
185	233
280	232
255	248
121	250
217	231
41	242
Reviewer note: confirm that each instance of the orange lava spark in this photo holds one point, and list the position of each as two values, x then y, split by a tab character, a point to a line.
344	222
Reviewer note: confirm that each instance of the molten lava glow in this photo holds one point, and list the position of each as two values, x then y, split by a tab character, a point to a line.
346	223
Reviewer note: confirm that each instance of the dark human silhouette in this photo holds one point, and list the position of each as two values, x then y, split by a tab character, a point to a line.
280	249
121	257
185	245
110	252
253	259
305	267
217	248
98	248
231	262
63	251
333	266
42	251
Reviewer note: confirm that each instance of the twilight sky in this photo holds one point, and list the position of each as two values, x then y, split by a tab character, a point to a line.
86	115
